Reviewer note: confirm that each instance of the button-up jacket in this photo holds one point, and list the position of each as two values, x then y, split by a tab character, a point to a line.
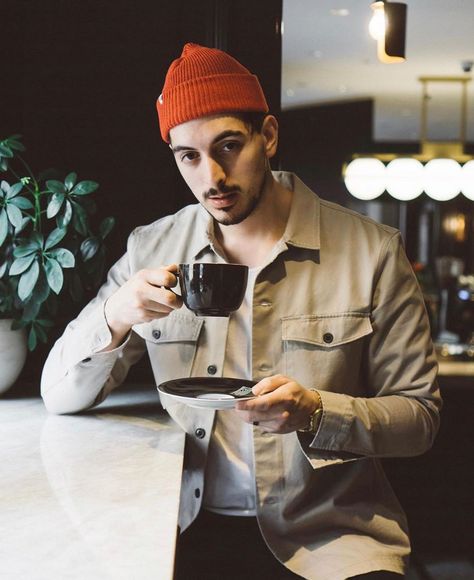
338	309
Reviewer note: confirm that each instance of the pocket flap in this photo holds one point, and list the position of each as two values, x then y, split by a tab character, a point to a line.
176	327
328	330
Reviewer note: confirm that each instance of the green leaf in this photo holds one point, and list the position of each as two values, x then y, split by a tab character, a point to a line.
5	151
30	246
3	226
85	187
32	307
41	290
70	181
3	269
14	190
22	202
57	200
3	164
32	342
55	186
64	220
24	223
55	237
4	187
89	248
13	143
79	218
41	333
63	256
28	281
14	215
106	227
21	264
54	274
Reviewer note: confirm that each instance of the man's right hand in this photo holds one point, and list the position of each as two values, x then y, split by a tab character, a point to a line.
144	297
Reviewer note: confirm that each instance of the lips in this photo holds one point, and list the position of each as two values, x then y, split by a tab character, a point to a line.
222	201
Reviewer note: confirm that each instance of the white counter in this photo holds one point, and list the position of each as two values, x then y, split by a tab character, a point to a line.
92	496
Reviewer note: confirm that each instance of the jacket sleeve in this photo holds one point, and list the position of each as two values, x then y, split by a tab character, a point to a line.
400	417
76	374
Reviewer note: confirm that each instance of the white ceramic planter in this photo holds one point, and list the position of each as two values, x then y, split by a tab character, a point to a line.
12	353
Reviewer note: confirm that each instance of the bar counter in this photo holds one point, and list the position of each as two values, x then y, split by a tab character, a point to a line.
93	495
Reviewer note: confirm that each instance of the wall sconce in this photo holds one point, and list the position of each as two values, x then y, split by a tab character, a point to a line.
388	28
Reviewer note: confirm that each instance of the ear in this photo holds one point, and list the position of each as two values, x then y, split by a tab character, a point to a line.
270	135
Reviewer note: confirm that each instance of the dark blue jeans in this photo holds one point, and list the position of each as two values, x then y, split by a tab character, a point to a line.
219	547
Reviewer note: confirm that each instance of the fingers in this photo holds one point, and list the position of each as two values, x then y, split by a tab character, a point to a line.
281	405
269	384
164	276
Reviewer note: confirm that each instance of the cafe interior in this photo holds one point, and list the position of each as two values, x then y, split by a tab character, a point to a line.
382	125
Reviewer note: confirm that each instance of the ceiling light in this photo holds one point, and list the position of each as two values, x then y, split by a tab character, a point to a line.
441	169
467	180
388	27
404	178
365	178
340	12
442	179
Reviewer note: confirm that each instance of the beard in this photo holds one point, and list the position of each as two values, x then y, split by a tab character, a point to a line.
237	215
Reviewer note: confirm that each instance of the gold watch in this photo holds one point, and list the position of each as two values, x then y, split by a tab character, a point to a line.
315	417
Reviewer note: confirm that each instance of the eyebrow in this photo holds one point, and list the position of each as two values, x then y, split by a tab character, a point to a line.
217	138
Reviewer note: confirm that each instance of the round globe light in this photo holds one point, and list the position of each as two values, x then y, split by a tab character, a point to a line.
365	178
442	179
404	178
467	180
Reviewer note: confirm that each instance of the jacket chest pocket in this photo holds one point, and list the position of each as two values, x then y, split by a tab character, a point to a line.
325	351
171	343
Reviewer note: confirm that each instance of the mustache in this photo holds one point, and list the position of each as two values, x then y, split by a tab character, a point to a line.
223	189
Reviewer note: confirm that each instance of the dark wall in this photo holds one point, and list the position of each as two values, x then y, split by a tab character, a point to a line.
80	79
316	142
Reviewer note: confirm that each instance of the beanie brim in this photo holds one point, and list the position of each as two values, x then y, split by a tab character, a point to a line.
209	95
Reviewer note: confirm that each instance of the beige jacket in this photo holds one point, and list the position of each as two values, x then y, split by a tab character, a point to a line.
338	309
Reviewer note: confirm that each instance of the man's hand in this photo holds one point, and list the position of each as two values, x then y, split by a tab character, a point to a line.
282	405
144	297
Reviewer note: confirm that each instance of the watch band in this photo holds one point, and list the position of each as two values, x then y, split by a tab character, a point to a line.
315	417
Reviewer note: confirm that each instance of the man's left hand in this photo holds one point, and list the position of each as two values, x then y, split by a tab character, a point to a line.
282	405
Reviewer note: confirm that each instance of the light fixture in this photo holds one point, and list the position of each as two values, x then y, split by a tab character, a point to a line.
442	169
388	27
404	178
365	178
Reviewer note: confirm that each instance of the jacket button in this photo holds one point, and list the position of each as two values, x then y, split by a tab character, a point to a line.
197	492
211	370
156	334
200	433
86	360
328	337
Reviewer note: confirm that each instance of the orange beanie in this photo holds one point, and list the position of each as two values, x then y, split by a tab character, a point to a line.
205	81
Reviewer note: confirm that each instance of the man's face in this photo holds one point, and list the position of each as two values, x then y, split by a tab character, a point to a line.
224	164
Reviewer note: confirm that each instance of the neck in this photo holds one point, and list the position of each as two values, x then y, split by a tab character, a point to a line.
250	241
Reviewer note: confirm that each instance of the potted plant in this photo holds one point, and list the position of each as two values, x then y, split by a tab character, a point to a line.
49	247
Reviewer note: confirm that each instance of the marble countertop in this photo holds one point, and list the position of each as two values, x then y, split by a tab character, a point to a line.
90	496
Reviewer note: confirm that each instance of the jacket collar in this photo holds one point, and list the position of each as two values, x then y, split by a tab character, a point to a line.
302	229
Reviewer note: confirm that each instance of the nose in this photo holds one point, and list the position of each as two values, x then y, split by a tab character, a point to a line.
214	173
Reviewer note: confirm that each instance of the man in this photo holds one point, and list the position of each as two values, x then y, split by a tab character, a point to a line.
332	327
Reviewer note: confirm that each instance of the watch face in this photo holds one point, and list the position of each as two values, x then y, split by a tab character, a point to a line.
208	392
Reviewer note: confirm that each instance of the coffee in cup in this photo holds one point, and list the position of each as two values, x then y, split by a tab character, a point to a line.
210	289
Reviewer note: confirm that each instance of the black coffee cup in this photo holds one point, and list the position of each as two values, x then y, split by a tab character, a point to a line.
213	289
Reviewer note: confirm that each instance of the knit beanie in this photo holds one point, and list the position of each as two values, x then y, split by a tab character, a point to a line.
205	81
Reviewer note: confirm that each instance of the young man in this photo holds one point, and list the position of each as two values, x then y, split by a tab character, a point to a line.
332	327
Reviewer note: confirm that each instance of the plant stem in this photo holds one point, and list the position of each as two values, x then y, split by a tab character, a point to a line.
19	179
27	167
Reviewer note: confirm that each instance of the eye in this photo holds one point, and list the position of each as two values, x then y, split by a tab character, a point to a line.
230	146
188	156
